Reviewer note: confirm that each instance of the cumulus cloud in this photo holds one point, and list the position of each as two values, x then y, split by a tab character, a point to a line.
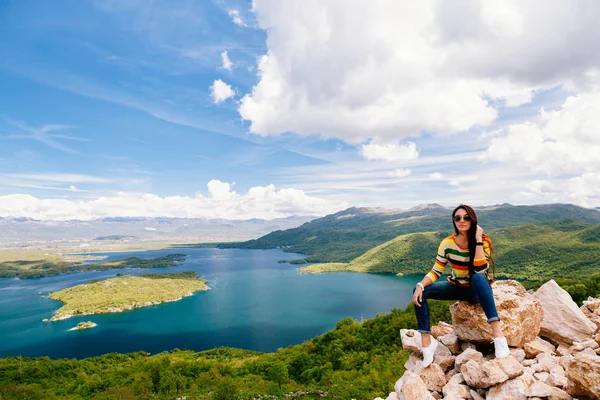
565	141
220	91
390	152
265	202
583	190
226	62
236	17
356	70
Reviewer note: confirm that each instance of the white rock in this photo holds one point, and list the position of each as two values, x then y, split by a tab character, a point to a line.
563	321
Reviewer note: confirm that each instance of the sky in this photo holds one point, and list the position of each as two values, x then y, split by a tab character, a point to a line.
266	109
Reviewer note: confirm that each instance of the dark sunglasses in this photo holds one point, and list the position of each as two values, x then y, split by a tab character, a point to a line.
465	217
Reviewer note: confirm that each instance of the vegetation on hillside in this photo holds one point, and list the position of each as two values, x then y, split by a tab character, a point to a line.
41	268
354	360
535	252
343	236
124	293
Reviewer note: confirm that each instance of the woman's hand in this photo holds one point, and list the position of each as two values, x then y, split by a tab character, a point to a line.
479	234
418	296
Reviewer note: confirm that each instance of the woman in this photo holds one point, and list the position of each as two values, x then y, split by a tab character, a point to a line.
469	252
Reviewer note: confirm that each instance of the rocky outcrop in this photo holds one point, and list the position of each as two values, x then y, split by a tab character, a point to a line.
583	376
535	369
564	322
520	315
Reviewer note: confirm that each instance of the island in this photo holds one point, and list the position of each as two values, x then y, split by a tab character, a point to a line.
84	325
125	293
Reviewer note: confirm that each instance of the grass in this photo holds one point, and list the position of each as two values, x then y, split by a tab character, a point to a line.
124	293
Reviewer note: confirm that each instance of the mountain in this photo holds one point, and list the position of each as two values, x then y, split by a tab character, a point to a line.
345	235
24	230
543	251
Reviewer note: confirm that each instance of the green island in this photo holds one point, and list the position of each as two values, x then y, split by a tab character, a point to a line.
24	269
84	325
125	293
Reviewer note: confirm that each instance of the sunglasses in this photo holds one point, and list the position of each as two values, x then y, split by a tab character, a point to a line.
465	218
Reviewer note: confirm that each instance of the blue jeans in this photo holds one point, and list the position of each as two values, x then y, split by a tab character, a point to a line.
480	292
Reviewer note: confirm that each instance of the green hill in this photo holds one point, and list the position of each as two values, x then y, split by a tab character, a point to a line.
567	248
345	235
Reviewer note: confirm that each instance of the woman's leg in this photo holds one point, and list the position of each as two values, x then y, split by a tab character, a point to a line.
436	291
485	297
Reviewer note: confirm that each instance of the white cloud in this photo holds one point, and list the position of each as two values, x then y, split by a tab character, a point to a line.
264	202
436	176
236	17
390	152
565	141
583	190
393	69
401	172
220	91
226	62
58	177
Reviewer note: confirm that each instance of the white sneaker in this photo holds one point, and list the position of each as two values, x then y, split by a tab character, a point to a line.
428	353
501	347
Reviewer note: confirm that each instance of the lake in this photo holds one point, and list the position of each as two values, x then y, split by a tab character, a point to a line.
254	303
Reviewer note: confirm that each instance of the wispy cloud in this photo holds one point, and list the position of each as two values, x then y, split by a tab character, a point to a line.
58	177
43	134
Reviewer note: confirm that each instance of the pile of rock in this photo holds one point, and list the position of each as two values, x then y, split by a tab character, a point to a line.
555	350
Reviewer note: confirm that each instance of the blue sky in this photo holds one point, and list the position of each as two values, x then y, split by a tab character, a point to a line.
114	101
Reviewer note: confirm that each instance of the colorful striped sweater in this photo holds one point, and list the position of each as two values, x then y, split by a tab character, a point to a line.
458	257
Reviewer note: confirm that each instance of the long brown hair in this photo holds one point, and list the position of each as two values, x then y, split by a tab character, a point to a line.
472	241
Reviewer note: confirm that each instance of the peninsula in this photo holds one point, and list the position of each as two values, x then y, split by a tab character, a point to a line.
41	268
125	293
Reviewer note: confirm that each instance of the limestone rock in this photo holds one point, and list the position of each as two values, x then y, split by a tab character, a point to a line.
444	362
433	377
475	395
537	346
491	372
441	329
450	340
540	389
563	322
412	362
591	304
513	389
412	387
583	376
411	340
519	354
456	390
469	354
520	314
588	351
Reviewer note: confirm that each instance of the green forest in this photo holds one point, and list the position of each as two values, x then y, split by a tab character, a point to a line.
41	268
355	360
535	252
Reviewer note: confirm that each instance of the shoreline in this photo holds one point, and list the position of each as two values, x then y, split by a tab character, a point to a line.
102	297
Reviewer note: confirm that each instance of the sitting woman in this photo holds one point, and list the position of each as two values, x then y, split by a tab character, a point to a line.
469	252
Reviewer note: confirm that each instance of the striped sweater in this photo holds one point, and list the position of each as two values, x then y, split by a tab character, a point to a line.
458	257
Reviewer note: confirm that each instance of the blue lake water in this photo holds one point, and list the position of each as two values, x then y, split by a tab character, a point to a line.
254	303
